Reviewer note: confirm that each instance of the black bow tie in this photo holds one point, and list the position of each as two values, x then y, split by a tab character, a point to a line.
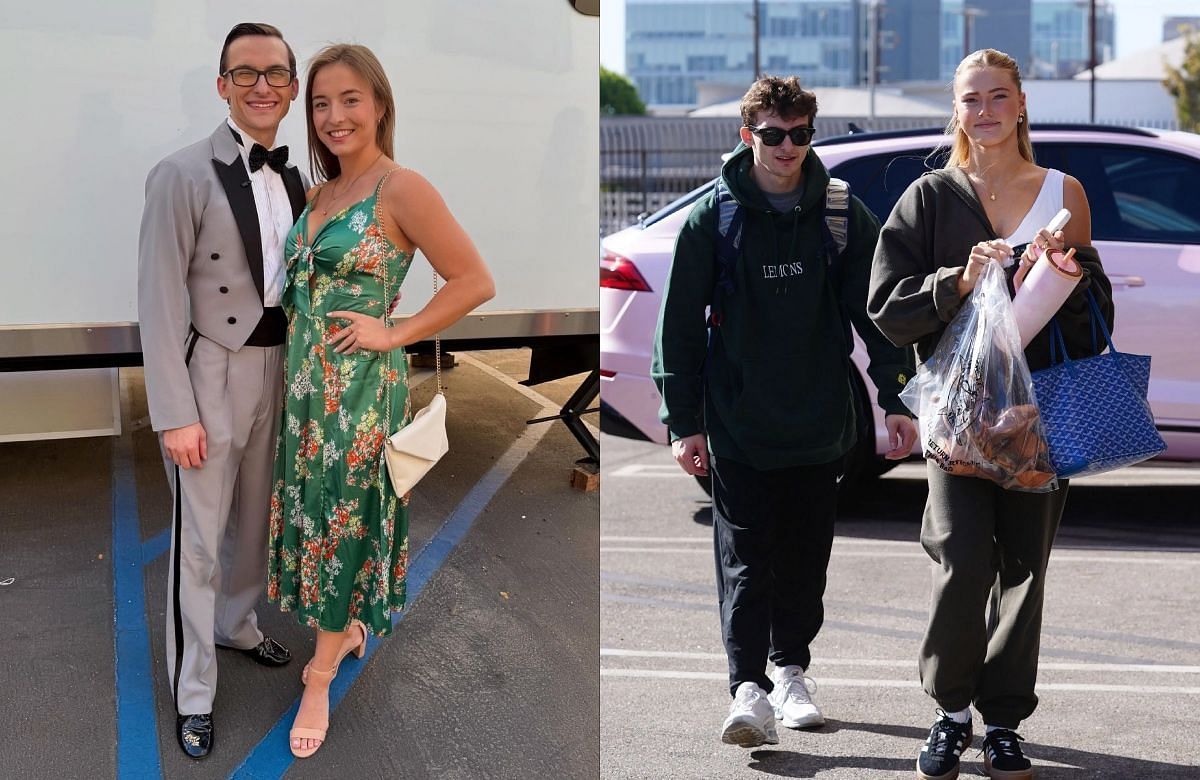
276	158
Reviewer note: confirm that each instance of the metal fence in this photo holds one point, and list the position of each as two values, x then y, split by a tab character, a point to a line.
647	162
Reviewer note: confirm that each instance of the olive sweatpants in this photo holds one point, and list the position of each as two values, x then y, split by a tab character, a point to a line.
990	547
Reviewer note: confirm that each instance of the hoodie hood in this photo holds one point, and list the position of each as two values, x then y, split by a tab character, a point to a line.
735	172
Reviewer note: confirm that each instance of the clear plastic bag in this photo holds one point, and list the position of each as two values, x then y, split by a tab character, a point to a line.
974	397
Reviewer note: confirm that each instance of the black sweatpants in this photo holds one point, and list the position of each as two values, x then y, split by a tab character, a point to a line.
772	533
990	547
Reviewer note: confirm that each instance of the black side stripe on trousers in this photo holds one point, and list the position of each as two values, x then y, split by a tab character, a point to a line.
177	528
195	336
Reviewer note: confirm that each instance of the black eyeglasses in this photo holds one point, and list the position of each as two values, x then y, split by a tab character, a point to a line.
773	136
248	77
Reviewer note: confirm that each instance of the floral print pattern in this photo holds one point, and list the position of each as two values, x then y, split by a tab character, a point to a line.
338	532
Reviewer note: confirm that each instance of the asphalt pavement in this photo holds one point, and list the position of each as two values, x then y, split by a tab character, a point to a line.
1119	681
491	673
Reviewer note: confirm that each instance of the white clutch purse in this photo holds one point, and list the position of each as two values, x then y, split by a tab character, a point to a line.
414	449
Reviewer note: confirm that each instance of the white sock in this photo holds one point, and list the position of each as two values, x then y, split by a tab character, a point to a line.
990	729
962	716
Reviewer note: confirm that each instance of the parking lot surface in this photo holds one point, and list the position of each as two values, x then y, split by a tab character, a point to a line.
1120	661
491	673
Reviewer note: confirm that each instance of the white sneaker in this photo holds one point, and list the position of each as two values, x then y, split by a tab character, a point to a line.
751	720
792	699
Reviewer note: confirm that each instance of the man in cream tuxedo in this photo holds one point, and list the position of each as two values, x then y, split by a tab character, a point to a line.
210	276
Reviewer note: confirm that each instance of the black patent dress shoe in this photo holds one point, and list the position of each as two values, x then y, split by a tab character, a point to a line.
267	652
195	734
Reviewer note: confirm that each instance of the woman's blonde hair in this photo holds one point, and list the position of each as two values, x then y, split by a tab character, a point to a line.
323	164
960	151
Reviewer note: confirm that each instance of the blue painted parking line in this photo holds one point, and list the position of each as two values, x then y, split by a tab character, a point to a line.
137	721
155	546
272	756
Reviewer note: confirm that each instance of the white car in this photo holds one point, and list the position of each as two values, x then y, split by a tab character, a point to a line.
1142	188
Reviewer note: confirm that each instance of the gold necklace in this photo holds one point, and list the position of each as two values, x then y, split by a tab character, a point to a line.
983	184
334	198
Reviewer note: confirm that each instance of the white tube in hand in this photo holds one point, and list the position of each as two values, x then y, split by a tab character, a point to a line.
1059	222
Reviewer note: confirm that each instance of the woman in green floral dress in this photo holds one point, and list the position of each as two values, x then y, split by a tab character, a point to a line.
338	533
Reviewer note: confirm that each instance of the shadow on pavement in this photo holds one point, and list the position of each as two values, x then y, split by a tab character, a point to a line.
1079	763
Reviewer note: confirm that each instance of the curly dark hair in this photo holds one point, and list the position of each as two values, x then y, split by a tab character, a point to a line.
783	97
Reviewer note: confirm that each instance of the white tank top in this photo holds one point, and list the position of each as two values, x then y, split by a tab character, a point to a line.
1049	202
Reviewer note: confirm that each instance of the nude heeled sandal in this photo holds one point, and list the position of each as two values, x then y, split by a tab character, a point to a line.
359	650
302	732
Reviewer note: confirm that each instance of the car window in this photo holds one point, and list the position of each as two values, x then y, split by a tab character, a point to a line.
1136	194
879	180
677	204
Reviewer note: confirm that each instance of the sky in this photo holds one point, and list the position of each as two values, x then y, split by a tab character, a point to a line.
1139	26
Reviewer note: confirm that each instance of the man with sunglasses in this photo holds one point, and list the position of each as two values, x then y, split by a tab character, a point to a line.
761	400
210	276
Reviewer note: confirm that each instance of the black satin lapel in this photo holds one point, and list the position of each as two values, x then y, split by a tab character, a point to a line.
295	190
236	182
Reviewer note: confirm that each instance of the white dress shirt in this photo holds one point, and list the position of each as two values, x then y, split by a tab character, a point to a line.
274	218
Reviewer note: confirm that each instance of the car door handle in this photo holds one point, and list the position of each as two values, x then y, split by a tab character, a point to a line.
1127	281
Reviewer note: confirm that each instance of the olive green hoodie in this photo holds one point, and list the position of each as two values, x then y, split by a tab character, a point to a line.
776	390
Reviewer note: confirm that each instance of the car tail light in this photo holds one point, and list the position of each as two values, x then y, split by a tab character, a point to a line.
619	273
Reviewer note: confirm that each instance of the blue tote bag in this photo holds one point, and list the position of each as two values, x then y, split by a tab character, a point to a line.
1094	410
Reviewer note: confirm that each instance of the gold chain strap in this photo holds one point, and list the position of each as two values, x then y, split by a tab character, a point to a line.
437	339
437	343
387	320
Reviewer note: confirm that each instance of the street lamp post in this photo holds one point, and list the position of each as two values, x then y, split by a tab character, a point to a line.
872	54
1092	60
969	15
757	50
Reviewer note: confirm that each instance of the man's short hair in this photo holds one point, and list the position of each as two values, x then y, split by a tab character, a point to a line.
783	97
254	28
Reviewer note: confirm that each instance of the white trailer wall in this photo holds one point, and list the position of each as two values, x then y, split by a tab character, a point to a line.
497	105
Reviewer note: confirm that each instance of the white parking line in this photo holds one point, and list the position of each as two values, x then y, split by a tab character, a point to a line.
658	539
844	553
651	471
533	395
847	682
1058	558
708	540
615	652
1131	477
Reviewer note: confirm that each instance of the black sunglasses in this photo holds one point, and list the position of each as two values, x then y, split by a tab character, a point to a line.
773	136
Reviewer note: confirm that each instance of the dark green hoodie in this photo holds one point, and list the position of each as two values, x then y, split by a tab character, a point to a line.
777	391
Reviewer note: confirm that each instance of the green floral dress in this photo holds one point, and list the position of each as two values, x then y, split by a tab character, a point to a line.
338	532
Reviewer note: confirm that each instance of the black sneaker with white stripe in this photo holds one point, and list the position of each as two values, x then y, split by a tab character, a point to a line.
1002	756
943	748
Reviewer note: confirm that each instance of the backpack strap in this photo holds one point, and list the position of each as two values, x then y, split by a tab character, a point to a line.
730	218
835	234
836	230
